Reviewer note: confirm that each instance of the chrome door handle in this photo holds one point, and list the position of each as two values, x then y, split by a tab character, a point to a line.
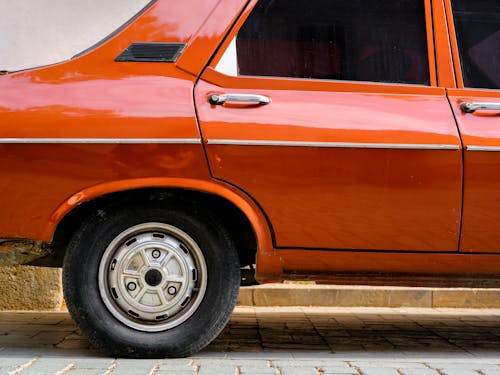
220	99
469	107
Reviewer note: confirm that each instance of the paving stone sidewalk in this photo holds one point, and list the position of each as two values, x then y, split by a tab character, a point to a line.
278	341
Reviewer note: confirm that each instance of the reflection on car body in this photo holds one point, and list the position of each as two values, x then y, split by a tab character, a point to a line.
311	139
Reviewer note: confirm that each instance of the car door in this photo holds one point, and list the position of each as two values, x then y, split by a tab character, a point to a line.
476	105
329	116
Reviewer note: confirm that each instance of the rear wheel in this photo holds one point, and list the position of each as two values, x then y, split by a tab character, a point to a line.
150	282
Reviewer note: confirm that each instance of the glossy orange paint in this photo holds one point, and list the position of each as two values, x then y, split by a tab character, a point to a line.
480	136
37	179
300	188
480	129
245	204
350	262
341	198
344	198
444	58
453	45
209	36
92	96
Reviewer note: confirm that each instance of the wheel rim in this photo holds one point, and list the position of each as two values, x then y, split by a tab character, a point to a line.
152	277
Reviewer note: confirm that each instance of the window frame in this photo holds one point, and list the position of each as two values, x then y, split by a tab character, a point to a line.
318	84
457	64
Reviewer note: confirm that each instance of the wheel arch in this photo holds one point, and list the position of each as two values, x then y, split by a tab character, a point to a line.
234	209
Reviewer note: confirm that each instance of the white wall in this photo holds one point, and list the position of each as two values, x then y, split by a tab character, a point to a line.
41	32
228	64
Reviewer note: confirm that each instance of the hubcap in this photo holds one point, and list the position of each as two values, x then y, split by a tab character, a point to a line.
152	277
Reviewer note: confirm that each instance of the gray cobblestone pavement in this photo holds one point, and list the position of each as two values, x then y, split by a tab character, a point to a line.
278	341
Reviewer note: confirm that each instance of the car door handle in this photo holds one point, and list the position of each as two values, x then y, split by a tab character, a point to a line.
220	99
469	107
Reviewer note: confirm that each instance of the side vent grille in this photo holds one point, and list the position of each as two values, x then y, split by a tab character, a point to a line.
152	52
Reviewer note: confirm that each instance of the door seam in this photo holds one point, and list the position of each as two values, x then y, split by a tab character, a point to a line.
463	172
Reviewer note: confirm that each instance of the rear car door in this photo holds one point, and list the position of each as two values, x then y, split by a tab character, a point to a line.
476	105
328	114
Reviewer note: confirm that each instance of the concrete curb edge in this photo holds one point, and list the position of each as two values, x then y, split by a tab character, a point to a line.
368	296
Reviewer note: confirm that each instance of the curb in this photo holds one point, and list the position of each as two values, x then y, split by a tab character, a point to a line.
368	296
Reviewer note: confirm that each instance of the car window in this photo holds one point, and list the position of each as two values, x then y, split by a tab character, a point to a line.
358	40
477	25
37	33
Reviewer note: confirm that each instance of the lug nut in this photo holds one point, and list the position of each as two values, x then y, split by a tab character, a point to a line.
156	253
131	286
172	290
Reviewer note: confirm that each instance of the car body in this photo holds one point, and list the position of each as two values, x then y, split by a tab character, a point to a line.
323	179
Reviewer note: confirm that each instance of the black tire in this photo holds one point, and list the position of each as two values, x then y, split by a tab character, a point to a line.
105	329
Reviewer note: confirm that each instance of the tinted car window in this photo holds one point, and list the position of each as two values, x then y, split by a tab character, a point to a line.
477	24
360	40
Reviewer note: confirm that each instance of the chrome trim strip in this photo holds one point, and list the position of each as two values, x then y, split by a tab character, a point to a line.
100	141
483	148
404	146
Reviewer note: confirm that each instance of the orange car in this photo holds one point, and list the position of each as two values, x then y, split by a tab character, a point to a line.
322	139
